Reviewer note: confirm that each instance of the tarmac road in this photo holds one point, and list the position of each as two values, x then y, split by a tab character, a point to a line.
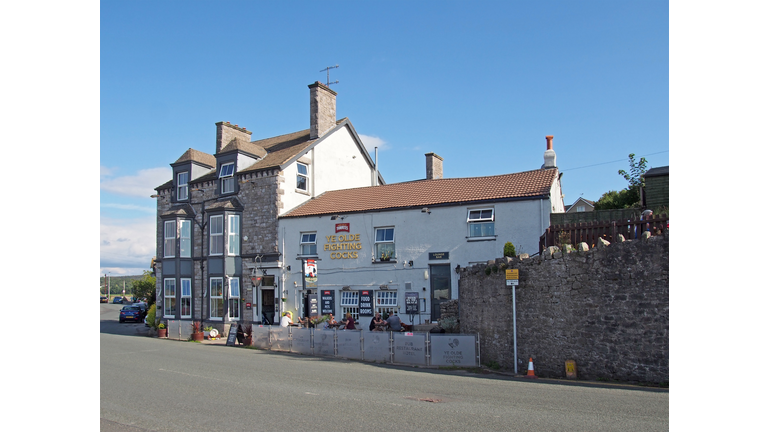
164	385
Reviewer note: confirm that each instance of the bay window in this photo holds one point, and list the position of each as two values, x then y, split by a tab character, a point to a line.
169	298
169	237
217	298
234	299
186	298
233	232
217	235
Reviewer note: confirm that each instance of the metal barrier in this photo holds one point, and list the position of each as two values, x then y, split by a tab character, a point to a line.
179	329
411	348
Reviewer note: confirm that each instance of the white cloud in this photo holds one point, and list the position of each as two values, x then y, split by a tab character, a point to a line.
142	184
127	245
370	142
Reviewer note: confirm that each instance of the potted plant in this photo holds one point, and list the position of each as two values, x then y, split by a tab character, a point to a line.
386	256
197	331
207	331
162	331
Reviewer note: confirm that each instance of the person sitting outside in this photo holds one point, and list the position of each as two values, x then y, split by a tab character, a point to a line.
376	323
286	320
394	322
304	321
330	321
349	322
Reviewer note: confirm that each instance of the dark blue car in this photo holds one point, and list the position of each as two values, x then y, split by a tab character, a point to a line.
131	313
117	300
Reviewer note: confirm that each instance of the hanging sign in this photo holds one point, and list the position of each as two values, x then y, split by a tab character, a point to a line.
310	273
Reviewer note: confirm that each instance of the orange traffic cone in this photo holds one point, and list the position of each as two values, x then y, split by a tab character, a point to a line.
530	369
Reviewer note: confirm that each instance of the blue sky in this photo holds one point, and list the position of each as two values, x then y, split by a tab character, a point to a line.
481	86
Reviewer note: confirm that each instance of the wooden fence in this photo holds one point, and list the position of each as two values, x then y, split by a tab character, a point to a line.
589	232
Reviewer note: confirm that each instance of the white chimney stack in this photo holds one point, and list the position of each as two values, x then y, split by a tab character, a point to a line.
550	159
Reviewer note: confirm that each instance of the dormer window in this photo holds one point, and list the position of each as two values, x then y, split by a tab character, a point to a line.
302	177
226	178
182	185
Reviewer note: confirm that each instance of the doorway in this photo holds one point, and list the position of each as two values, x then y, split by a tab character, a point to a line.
267	306
439	287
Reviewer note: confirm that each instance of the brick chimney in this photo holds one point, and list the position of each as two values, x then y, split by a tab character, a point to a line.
434	166
322	109
226	132
550	159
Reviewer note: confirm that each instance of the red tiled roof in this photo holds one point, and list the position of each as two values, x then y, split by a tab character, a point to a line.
423	193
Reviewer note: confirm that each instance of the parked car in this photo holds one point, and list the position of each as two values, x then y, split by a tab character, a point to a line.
131	313
117	300
104	299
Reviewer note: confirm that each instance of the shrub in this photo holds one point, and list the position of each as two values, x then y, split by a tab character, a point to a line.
509	250
151	320
487	271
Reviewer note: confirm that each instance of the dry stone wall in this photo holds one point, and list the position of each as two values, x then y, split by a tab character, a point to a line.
605	308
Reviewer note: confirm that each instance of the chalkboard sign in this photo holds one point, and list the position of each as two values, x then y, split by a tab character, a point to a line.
232	335
411	303
313	305
366	303
327	302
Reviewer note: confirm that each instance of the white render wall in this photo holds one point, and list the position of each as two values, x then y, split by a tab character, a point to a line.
417	234
335	163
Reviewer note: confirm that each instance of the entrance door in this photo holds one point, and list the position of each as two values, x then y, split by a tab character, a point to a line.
439	286
267	306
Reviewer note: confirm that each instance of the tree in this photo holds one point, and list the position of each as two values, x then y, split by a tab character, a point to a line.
145	287
629	197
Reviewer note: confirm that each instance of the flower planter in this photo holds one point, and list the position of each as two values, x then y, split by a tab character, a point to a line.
197	337
161	333
248	341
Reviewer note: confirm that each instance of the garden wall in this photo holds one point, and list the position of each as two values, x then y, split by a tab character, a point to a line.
606	308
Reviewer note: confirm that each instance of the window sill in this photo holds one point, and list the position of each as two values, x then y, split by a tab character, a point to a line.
392	261
303	192
486	238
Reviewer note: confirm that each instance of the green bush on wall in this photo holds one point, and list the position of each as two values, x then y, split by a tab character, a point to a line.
509	250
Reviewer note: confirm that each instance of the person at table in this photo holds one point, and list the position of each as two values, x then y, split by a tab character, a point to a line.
304	321
286	320
394	322
330	322
377	323
349	322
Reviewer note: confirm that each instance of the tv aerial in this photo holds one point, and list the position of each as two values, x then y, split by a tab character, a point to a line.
328	75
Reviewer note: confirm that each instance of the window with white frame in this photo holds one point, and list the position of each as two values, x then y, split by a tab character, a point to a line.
169	298
302	176
185	238
350	303
233	233
186	298
481	222
581	208
386	302
234	299
182	186
217	235
227	178
217	298
385	244
308	243
169	245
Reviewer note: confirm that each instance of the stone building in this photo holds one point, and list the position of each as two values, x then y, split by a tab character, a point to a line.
218	249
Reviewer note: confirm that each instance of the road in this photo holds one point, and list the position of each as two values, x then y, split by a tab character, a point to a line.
164	385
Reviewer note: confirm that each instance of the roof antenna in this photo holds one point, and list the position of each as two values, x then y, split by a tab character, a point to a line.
328	75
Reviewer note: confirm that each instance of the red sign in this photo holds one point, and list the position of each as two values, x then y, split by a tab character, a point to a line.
342	227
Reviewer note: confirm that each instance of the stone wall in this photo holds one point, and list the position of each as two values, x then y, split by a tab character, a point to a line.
606	308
